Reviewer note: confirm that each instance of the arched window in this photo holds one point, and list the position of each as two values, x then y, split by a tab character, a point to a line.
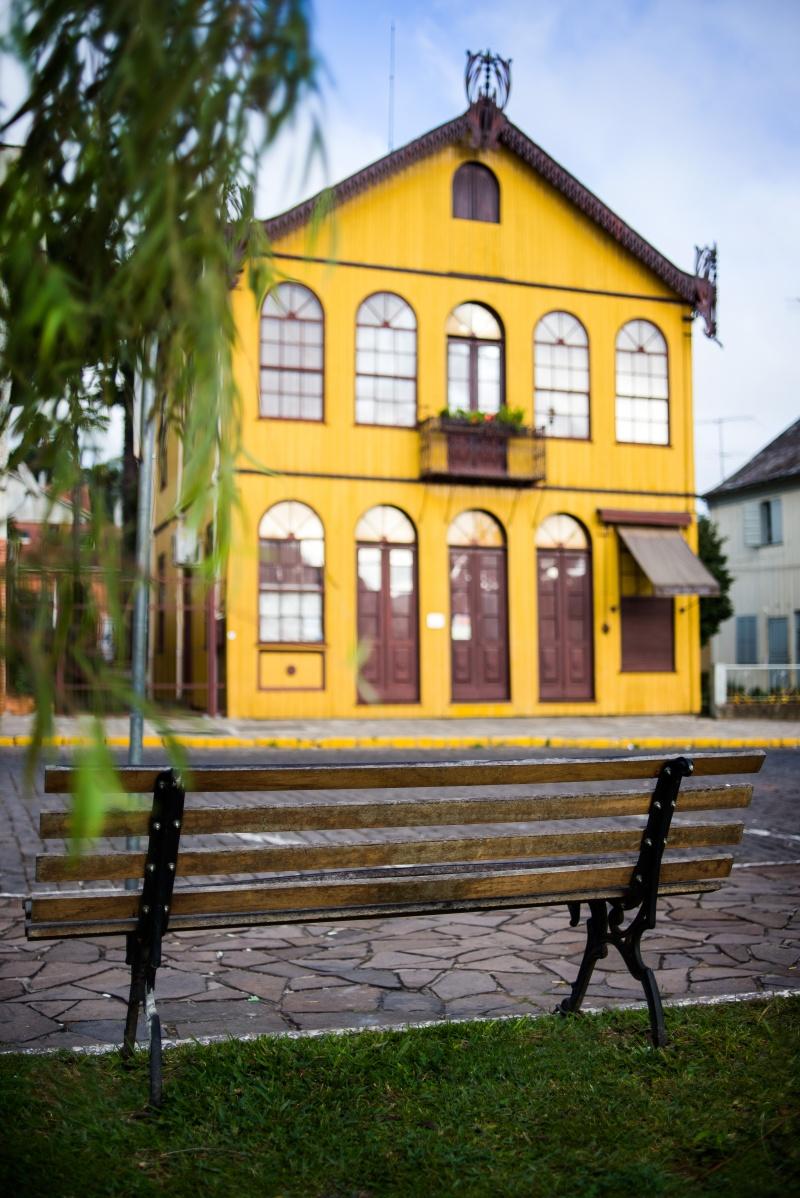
291	354
291	549
476	193
561	532
387	606
475	366
561	376
478	608
642	384
386	361
475	527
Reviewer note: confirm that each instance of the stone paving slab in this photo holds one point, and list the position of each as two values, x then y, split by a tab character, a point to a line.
740	939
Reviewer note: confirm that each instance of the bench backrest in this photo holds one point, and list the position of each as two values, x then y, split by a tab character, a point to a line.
399	871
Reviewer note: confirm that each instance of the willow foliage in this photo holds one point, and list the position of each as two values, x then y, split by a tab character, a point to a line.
124	219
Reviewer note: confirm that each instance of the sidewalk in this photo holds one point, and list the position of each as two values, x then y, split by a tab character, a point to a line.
560	732
740	940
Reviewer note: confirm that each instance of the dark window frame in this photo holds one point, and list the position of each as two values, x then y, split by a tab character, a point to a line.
619	394
537	345
266	586
474	344
280	368
376	375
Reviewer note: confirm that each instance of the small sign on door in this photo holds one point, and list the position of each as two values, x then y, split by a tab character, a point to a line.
461	628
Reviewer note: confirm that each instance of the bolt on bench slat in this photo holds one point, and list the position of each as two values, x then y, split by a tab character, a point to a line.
291	858
141	780
404	813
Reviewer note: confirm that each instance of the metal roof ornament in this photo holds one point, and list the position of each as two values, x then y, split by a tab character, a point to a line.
705	269
487	80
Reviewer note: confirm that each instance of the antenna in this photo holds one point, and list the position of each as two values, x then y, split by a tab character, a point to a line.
720	422
391	87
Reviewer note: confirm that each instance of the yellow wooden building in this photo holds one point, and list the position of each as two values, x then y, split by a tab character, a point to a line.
473	384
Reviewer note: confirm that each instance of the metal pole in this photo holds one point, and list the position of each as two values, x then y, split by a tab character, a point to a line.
141	597
141	605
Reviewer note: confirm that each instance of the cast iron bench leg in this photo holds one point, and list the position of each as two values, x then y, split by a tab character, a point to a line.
604	925
144	944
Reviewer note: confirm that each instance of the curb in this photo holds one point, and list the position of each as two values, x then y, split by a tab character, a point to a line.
699	1000
423	742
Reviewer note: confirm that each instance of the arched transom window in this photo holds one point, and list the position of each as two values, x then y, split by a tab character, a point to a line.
560	531
475	527
386	361
561	376
476	193
291	354
386	524
475	370
291	547
642	384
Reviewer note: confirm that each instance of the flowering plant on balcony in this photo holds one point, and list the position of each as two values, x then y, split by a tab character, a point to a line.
507	418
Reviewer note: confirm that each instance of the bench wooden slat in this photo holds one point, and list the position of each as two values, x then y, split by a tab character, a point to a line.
404	813
350	894
292	858
141	779
188	923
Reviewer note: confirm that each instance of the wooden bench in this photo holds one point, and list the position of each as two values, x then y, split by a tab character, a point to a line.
617	870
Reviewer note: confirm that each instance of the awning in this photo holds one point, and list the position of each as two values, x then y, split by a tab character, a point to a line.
668	561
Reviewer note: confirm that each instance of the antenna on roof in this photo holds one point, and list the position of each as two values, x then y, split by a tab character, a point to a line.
391	87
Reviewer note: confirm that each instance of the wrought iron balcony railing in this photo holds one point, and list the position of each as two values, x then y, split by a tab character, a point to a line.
501	454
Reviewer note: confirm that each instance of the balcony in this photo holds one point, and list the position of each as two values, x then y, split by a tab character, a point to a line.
494	453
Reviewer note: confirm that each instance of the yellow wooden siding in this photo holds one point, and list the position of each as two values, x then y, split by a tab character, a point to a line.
399	236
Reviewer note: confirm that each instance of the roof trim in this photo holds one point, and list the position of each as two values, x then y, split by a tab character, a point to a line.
691	288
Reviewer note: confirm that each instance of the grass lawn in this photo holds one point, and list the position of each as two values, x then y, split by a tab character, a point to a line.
579	1107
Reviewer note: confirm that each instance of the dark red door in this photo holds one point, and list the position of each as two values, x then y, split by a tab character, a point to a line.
478	624
565	625
387	623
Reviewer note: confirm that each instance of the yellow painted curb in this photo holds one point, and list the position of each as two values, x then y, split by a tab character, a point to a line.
424	742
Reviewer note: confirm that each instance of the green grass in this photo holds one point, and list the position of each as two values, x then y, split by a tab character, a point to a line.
579	1107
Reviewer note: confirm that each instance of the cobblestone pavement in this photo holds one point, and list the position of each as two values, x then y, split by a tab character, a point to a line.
743	938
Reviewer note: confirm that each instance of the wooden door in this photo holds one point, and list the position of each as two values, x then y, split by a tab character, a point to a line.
478	624
566	670
387	623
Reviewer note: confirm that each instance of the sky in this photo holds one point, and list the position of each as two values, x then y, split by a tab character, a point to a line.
683	116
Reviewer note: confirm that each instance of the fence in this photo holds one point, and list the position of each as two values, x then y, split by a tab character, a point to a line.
770	690
87	645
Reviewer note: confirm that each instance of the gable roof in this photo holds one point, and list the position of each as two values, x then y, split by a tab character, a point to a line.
697	291
778	462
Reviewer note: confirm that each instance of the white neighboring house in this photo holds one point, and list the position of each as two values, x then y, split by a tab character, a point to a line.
757	511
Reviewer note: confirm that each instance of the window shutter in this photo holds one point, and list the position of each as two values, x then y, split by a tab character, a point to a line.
778	640
746	640
752	524
462	194
777	521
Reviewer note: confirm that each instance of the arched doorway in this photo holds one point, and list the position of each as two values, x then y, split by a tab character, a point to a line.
387	606
566	632
478	609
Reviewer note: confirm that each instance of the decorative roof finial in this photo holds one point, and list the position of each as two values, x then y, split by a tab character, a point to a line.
488	77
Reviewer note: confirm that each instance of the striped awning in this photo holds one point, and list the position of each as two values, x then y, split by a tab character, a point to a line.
668	562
